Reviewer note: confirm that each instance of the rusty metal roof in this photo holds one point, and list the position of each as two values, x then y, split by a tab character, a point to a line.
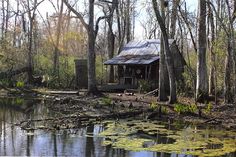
137	59
138	52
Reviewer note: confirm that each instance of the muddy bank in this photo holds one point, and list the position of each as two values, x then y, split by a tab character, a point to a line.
73	111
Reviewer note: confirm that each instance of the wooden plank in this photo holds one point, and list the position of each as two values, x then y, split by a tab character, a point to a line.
150	92
117	87
62	92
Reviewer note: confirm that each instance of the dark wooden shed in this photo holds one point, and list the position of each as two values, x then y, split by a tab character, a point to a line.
81	73
139	60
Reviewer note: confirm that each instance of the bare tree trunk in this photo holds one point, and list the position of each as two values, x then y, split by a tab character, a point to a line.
163	73
128	22
230	84
3	19
181	27
168	55
31	16
56	50
224	10
111	38
92	34
202	81
7	18
92	88
111	48
30	58
227	76
121	23
119	26
232	32
15	24
173	18
212	53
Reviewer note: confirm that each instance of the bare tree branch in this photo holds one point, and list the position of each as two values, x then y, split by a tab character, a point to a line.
111	9
219	19
53	5
189	28
81	18
48	29
99	19
33	8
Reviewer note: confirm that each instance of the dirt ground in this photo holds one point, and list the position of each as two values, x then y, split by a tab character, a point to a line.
73	110
124	105
220	114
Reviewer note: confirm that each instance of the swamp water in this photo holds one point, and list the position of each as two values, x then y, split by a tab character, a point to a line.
110	139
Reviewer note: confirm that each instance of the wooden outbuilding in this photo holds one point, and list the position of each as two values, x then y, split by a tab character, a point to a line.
139	60
81	73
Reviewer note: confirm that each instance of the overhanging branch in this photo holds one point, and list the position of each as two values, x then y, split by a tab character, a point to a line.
104	17
98	20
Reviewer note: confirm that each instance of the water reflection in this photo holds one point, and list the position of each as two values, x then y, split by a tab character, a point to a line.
82	142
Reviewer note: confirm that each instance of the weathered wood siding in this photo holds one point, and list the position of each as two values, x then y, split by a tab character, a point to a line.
81	73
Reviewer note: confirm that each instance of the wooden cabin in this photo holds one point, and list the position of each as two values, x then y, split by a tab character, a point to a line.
139	60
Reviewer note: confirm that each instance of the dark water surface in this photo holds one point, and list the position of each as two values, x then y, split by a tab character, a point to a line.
83	142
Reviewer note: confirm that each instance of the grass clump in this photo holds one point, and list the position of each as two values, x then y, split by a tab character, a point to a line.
20	84
106	101
208	109
181	108
154	105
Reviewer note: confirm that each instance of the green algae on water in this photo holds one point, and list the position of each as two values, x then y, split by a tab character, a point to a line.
155	137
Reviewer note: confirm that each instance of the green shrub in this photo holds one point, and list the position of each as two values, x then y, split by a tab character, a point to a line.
154	105
6	82
106	101
144	86
66	70
164	110
193	108
18	101
181	108
208	109
20	84
101	70
187	85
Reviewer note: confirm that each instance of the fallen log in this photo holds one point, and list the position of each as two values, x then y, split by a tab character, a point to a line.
89	117
3	87
214	119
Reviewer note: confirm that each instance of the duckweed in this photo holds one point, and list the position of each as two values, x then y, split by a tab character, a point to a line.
135	144
190	141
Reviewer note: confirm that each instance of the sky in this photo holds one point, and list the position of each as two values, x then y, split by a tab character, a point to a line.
142	18
46	6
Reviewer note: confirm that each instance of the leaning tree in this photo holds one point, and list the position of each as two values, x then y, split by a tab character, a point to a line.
92	31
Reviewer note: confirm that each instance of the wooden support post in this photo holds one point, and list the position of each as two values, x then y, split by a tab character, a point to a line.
146	72
149	72
133	76
106	75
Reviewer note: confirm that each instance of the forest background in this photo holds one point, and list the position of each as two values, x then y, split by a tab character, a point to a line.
43	37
